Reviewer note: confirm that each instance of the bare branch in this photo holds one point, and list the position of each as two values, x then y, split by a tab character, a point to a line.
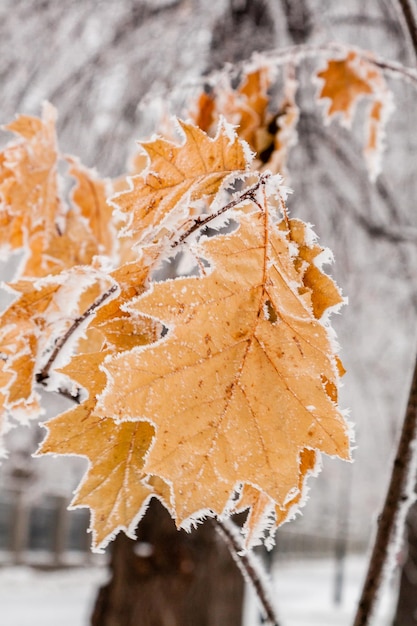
398	495
296	54
44	373
248	567
200	222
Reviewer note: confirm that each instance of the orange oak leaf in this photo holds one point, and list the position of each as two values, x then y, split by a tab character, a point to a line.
263	514
246	107
269	133
114	487
187	172
32	325
323	290
115	328
33	215
30	202
90	196
343	83
236	389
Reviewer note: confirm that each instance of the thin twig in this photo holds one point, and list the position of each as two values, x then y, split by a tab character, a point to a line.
397	497
249	568
44	373
200	222
410	21
296	54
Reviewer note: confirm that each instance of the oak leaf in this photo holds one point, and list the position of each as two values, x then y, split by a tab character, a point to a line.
178	173
29	196
32	213
236	389
343	84
114	487
90	195
323	290
43	312
264	516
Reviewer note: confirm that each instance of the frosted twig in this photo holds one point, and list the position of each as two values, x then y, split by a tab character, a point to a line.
398	495
249	567
44	373
200	222
296	54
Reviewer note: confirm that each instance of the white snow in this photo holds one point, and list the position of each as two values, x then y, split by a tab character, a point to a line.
64	597
303	593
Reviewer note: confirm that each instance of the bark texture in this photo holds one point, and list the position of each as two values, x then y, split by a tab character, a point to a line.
406	612
170	578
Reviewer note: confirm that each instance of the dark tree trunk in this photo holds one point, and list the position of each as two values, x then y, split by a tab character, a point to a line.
170	578
406	612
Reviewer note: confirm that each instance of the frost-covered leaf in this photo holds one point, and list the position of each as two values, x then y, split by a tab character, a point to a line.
29	196
33	216
270	133
43	312
115	328
114	486
323	290
264	516
238	388
178	175
343	84
90	195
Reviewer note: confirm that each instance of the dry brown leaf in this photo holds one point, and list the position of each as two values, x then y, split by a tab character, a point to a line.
264	515
32	214
343	83
235	391
30	201
270	134
275	156
246	107
184	173
113	327
90	195
322	289
114	486
43	312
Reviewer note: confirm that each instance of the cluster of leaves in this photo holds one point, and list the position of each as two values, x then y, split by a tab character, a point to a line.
215	390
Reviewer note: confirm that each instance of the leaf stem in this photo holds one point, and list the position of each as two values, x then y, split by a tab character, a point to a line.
250	568
44	373
398	496
200	222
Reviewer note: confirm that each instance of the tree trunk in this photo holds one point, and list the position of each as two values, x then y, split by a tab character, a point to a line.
406	612
170	578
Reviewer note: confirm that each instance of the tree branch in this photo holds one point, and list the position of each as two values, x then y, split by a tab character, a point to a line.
42	376
249	567
200	222
399	495
410	21
296	54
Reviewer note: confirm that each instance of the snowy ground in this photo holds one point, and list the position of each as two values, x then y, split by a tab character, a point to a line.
303	592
